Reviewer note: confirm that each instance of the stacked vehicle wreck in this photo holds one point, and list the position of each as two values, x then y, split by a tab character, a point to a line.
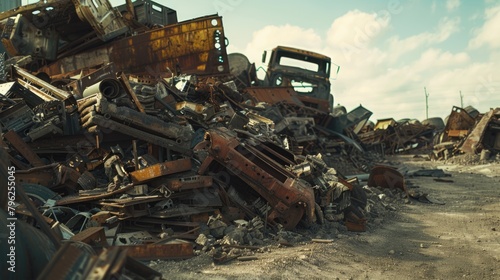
126	128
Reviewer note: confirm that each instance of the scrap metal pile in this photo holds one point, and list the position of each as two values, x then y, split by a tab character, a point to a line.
388	136
469	132
130	132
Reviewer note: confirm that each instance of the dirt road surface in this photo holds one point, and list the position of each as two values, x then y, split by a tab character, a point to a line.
457	240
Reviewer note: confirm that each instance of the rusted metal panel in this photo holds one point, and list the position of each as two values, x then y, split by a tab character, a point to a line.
459	119
273	95
170	251
194	47
188	183
457	133
93	236
160	169
290	199
473	143
386	177
18	143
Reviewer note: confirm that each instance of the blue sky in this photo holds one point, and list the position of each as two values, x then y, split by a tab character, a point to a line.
388	51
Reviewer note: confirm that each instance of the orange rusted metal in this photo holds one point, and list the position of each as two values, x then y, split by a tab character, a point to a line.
188	183
386	177
273	95
290	200
93	236
197	47
160	169
473	144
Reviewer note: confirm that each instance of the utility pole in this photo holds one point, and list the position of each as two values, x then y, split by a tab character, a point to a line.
461	100
426	103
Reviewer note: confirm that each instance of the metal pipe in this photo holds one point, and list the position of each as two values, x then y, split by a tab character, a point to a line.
109	88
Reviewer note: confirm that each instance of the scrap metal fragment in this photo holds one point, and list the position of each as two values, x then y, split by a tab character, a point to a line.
129	207
386	177
289	198
23	149
106	21
94	236
160	169
128	90
54	91
459	120
17	117
188	183
474	142
157	51
51	176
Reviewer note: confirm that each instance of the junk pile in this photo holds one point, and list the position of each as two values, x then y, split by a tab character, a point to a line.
389	136
469	133
126	130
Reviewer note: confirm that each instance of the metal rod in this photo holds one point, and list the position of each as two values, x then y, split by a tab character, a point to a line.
136	159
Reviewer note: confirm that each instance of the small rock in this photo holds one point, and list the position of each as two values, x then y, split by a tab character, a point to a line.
392	252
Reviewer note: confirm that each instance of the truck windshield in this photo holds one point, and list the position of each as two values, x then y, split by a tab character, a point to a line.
314	64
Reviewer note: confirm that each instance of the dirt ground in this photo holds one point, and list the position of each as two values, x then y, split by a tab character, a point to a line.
457	240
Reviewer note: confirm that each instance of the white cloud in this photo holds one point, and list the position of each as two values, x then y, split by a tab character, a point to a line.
433	6
452	5
487	35
445	29
355	32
